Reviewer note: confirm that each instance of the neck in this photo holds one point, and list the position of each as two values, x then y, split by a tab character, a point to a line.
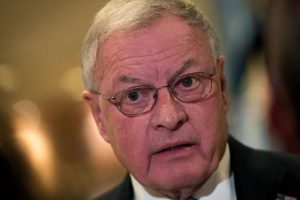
182	194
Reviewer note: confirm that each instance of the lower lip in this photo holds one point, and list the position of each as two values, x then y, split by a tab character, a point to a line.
177	153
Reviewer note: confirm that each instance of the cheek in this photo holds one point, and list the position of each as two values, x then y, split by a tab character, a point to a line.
207	115
129	141
209	120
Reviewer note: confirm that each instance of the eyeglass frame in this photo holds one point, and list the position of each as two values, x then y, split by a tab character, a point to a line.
112	99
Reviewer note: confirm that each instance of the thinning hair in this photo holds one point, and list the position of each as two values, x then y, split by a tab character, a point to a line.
127	15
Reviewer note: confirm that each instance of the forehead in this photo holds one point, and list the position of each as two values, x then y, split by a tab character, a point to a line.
167	40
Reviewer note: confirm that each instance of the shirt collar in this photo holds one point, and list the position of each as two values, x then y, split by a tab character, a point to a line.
219	186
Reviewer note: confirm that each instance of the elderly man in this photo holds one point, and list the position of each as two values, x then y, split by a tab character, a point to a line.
155	85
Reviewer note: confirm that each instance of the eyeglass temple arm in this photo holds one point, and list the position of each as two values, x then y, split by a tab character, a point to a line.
111	99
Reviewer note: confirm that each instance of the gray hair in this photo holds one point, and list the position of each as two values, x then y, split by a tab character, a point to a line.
127	15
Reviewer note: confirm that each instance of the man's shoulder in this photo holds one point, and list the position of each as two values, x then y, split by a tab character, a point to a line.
273	171
122	191
247	156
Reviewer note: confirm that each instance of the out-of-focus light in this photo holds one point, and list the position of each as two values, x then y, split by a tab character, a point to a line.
33	141
8	78
71	82
29	111
36	146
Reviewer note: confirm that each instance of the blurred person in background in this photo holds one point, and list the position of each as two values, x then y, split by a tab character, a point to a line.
155	84
13	168
283	64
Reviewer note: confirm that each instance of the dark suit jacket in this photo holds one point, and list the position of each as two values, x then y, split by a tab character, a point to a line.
258	175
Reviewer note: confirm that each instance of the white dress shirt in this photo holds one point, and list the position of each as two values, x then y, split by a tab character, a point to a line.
219	186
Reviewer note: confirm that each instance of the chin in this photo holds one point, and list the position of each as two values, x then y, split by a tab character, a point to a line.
178	181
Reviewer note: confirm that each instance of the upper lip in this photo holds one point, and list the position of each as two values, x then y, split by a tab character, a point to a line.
168	146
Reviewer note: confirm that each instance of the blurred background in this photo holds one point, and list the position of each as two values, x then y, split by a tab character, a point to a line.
47	134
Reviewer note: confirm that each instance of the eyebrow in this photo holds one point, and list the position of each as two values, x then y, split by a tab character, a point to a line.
186	65
127	79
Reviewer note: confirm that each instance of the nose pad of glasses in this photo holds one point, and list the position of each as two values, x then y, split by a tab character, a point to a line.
155	95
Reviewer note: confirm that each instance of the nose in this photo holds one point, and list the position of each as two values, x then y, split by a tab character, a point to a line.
167	113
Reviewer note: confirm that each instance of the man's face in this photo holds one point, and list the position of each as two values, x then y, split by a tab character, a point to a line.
175	145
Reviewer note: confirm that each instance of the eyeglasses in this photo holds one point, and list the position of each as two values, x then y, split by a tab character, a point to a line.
138	100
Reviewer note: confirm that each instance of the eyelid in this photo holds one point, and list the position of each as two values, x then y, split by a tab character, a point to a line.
179	78
125	91
130	87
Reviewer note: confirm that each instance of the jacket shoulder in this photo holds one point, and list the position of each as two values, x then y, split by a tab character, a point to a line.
274	171
291	164
261	159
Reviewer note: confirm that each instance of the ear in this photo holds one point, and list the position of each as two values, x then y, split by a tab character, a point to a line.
92	100
220	66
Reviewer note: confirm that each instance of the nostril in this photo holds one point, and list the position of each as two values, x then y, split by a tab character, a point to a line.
173	125
181	122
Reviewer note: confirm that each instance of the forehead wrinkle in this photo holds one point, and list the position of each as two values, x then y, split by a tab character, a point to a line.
133	62
162	55
123	61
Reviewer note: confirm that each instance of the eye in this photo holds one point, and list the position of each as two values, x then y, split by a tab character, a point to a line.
133	96
187	82
136	95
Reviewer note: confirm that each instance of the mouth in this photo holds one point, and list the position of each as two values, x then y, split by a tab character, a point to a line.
174	148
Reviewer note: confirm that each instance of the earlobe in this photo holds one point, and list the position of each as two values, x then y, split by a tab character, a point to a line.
92	100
